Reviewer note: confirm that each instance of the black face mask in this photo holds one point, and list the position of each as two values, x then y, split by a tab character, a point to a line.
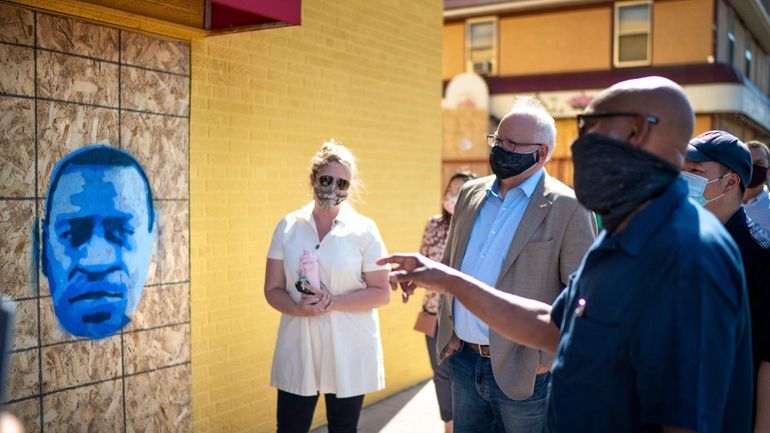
506	164
613	178
758	175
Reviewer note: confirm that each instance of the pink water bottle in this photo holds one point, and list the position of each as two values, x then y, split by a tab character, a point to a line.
308	265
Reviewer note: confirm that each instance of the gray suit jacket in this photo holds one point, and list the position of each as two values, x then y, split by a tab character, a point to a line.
553	235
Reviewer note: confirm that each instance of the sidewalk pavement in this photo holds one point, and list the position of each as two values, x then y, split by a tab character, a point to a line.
414	410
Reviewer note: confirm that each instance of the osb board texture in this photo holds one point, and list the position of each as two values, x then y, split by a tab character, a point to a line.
16	24
17	220
93	409
153	53
160	401
156	348
64	127
17	147
80	363
60	85
77	37
169	263
77	79
26	324
24	373
154	91
160	144
164	304
17	70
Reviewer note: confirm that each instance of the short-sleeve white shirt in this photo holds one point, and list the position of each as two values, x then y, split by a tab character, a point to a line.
338	352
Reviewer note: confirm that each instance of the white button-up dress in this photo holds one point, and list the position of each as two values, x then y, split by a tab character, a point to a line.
337	352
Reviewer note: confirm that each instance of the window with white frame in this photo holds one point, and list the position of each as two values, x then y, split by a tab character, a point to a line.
481	45
633	33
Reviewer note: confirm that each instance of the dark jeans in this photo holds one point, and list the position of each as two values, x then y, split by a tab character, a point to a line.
441	380
295	412
480	406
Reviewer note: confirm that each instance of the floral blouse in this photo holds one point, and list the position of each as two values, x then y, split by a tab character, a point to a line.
433	242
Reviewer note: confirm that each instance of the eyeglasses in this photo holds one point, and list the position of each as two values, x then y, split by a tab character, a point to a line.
509	145
326	180
583	120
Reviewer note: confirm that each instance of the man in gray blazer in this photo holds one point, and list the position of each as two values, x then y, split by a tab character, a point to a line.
523	232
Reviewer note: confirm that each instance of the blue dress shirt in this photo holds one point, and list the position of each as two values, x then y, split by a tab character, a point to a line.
488	245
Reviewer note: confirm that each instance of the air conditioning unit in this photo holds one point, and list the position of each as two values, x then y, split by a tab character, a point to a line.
483	67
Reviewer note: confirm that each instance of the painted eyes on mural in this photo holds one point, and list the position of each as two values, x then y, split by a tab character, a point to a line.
80	230
326	180
117	230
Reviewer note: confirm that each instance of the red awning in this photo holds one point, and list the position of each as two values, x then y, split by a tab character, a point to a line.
229	14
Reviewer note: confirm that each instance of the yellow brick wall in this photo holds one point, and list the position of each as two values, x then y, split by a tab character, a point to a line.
453	55
366	72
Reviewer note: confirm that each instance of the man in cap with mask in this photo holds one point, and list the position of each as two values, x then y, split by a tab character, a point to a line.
652	334
718	170
756	198
523	231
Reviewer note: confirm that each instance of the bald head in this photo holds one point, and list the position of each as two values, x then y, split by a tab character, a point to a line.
651	96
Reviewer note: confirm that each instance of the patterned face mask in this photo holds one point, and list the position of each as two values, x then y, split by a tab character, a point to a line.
507	164
330	192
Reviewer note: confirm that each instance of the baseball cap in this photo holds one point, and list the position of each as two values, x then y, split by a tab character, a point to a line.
724	148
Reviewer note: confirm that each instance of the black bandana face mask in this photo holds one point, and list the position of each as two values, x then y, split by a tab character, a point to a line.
507	164
613	178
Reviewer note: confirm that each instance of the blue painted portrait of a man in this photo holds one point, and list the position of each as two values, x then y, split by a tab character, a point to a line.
98	237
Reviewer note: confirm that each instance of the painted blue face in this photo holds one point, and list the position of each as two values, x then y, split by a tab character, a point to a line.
98	247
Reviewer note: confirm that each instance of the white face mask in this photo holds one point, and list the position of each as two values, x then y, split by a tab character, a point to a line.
449	203
697	185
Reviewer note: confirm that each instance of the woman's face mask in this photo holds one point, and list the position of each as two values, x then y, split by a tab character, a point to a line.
449	203
330	191
697	185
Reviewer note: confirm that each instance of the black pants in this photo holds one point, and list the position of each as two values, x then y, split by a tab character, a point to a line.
441	380
295	412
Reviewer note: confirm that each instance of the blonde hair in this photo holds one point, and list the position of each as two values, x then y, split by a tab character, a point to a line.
333	151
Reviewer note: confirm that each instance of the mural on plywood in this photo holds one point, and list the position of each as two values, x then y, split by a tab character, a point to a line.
98	237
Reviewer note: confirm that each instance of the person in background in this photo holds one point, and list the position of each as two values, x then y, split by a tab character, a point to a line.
717	169
329	334
433	242
756	199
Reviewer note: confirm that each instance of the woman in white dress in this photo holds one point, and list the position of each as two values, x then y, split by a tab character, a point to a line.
329	337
